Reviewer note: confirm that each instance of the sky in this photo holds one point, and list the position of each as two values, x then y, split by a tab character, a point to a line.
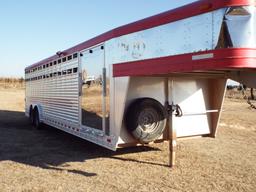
32	30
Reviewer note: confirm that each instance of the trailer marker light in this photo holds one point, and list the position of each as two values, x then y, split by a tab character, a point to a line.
202	56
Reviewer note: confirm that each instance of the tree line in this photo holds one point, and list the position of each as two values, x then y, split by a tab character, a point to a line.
243	89
8	82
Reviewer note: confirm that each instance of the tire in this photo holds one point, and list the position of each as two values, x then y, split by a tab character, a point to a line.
31	118
146	120
36	120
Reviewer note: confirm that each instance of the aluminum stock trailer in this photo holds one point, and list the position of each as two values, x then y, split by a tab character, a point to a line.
158	79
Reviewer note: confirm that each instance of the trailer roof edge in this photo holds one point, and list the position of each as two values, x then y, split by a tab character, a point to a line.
186	11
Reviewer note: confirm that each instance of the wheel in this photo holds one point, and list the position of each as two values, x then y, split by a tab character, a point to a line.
36	120
146	120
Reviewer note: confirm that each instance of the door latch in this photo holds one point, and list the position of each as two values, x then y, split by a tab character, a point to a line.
174	109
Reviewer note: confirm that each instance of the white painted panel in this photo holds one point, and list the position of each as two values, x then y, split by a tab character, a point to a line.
192	97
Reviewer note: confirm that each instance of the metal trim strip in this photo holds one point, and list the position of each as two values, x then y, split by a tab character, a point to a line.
224	59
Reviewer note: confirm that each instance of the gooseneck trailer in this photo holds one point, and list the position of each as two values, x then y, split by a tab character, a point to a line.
158	79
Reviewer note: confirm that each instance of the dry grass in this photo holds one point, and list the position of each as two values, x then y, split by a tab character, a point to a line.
50	160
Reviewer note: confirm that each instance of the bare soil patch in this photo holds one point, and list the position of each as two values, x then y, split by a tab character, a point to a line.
51	160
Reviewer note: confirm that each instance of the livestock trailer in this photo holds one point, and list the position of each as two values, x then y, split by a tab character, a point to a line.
158	79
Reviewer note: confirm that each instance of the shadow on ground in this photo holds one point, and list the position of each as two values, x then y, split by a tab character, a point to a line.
50	148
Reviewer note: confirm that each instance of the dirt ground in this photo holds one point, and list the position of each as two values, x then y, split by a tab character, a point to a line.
51	160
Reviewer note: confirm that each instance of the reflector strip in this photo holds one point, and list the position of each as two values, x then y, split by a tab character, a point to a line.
204	56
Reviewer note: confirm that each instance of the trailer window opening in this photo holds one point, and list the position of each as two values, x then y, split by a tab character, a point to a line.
74	55
75	70
69	71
